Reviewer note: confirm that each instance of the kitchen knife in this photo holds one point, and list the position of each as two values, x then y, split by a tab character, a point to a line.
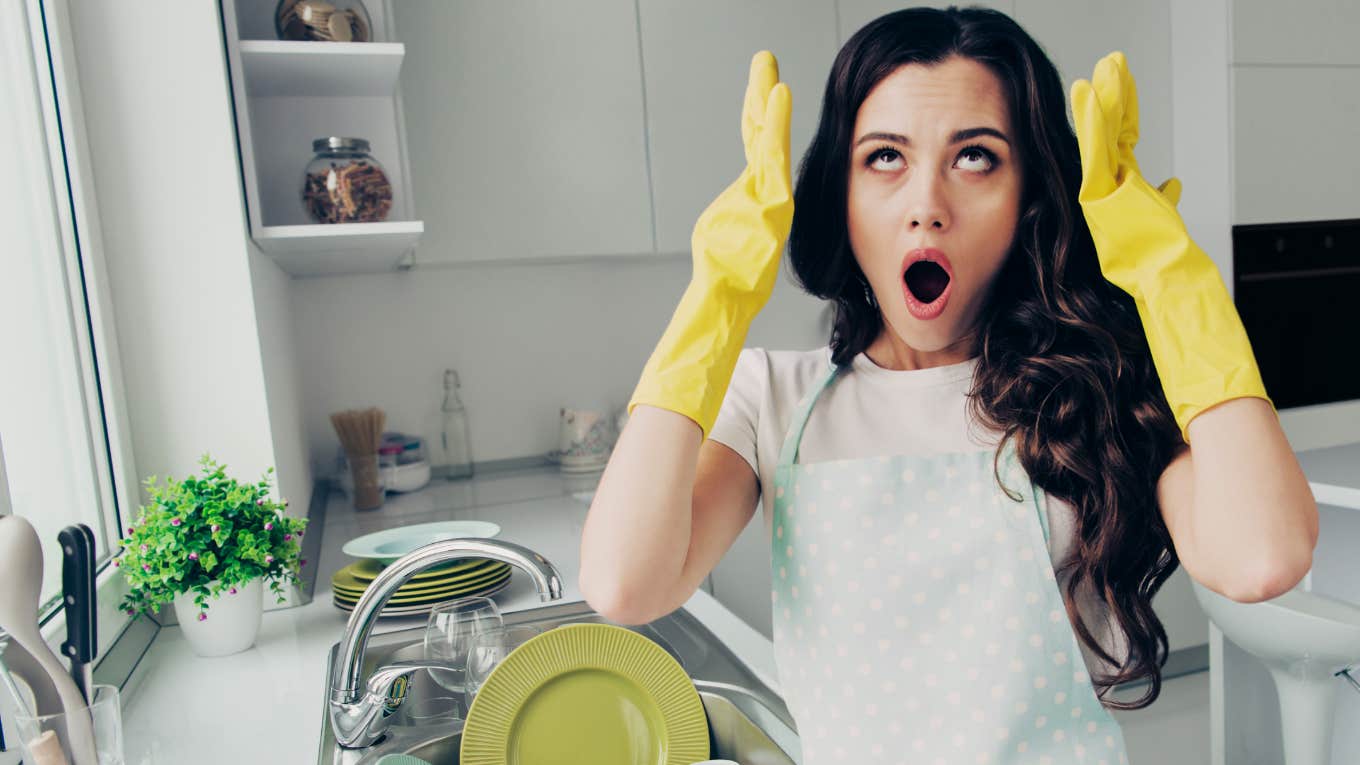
77	582
21	568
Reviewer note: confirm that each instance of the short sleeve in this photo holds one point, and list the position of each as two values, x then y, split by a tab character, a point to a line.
740	411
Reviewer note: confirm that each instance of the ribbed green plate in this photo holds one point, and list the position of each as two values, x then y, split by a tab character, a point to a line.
586	694
400	599
344	581
390	610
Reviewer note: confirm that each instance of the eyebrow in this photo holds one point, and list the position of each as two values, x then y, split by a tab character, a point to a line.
959	135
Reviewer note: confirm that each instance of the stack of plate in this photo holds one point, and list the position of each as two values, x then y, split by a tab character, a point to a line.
459	579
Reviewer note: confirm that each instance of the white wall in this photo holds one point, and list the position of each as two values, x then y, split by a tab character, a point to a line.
282	381
526	340
160	126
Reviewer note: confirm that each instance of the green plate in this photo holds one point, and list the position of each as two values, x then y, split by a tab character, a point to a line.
471	585
420	610
344	580
431	597
586	694
389	544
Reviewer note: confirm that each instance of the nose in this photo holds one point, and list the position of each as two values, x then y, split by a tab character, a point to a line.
928	208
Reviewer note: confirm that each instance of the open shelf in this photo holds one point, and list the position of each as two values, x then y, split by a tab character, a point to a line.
290	68
340	248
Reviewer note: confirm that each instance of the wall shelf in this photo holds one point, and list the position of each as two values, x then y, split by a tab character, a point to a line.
286	94
288	68
340	248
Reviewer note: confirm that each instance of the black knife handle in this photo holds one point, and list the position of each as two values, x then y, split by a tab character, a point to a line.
77	583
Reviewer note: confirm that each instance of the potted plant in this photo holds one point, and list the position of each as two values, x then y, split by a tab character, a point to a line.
206	544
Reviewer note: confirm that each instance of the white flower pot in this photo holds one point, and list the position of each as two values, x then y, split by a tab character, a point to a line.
233	620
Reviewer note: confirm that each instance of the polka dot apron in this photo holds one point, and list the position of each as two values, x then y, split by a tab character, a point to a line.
917	618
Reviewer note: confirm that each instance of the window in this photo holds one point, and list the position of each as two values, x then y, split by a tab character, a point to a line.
64	452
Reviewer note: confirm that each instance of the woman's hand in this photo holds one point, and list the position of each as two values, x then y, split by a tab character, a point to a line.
1197	340
738	239
1113	191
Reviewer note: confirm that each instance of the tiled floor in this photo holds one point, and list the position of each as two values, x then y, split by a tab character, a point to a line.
1174	730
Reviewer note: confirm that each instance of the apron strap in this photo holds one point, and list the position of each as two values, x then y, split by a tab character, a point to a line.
788	453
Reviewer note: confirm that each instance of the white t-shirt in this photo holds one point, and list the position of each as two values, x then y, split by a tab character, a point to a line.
869	412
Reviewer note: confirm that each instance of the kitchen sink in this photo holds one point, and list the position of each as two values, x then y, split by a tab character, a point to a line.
748	722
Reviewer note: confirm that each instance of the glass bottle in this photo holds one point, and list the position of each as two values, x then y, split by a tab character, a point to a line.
457	444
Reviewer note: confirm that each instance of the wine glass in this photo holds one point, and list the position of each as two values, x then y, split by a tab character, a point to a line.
488	649
449	633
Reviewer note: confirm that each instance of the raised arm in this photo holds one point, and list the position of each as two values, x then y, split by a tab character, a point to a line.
666	507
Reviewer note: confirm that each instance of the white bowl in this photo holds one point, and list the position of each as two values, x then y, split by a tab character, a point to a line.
409	477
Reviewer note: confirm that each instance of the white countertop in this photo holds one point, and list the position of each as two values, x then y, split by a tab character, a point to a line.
265	705
1334	474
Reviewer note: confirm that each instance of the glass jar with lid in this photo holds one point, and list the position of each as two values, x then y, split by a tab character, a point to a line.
323	21
344	184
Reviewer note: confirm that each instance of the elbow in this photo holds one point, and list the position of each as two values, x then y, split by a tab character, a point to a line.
613	602
1277	579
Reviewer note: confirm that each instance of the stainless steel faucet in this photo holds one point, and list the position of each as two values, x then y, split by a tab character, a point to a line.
359	711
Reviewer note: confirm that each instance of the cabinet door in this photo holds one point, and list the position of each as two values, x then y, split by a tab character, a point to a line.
1077	35
525	128
696	56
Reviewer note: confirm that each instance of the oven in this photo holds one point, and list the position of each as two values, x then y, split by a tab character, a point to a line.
1297	289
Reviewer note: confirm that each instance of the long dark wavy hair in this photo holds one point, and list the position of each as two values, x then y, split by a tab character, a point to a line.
1063	363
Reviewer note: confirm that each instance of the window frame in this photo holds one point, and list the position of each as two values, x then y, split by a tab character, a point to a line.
53	74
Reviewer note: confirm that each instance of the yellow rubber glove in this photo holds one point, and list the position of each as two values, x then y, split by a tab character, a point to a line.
1197	339
736	245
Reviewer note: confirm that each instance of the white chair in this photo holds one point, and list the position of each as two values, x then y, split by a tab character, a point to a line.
1305	640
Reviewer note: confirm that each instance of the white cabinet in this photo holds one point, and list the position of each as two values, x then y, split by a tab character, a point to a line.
1077	35
526	127
1296	74
287	93
695	58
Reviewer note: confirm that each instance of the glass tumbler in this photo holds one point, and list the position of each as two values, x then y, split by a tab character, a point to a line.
449	633
489	649
369	481
107	719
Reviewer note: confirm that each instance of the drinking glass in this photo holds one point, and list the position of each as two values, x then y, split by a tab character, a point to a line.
106	721
488	649
449	633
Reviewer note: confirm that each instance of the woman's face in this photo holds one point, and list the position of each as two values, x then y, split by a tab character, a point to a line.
932	166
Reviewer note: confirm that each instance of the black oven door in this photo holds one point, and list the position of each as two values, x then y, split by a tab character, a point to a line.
1297	289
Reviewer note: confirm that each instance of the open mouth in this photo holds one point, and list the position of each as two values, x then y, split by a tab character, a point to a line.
926	280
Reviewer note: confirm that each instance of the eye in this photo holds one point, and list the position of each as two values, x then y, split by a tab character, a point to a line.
976	152
883	151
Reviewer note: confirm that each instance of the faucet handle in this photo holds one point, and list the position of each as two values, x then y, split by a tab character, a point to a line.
388	684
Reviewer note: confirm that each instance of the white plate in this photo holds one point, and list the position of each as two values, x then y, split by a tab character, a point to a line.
389	544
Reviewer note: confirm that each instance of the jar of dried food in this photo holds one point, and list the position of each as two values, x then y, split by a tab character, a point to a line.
324	20
343	184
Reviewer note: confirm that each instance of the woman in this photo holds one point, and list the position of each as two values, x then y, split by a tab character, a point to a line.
988	471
